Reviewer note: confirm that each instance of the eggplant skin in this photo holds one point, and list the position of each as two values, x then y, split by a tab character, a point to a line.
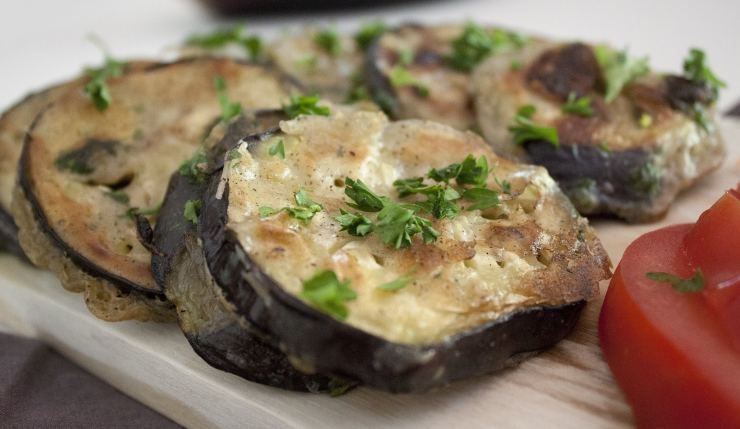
214	330
9	235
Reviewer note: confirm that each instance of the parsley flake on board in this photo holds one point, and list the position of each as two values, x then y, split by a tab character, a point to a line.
221	38
192	210
525	130
580	106
305	105
229	109
368	33
329	41
326	292
619	69
97	88
693	284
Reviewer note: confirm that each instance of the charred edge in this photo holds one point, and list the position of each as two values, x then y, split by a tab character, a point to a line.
564	70
24	181
381	89
319	340
598	181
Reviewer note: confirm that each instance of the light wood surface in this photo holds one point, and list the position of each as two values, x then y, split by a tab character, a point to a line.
568	386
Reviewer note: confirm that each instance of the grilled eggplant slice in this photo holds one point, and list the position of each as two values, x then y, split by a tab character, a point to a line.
321	61
14	124
84	172
629	158
494	286
410	72
215	331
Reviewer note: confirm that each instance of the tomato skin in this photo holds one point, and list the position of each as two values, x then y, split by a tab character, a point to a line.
713	245
669	355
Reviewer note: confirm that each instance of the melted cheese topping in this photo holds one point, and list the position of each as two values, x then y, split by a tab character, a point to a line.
476	270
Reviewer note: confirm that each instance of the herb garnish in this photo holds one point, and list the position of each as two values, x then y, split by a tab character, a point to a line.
693	284
475	44
401	77
645	120
192	210
368	33
194	169
396	284
355	224
278	149
329	41
228	36
305	105
525	130
326	292
482	198
229	109
696	69
71	161
580	106
305	208
504	185
97	87
618	69
136	211
118	196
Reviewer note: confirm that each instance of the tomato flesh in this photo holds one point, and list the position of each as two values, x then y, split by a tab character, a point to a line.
668	351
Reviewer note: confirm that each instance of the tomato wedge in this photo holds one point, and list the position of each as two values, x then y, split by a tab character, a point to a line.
673	353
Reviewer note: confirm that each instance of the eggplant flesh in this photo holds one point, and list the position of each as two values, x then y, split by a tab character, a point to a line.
262	281
111	162
630	158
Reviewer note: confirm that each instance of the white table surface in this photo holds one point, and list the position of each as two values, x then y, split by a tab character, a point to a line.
43	41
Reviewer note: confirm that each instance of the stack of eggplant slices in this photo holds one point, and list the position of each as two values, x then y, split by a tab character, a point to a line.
398	208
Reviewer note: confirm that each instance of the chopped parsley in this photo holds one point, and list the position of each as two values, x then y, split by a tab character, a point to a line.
136	211
326	292
355	224
504	185
329	41
228	36
278	149
396	284
476	43
619	69
368	33
401	77
97	87
406	57
696	69
701	117
338	387
470	172
73	162
358	91
693	284
233	154
525	130
645	120
194	169
307	62
580	106
482	198
304	210
118	196
305	105
229	109
363	198
192	210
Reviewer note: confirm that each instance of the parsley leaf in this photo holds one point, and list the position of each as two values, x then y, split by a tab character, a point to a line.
696	69
354	223
233	154
440	202
368	33
325	292
329	41
693	284
580	106
97	88
221	38
482	198
192	210
194	169
229	109
401	77
118	196
619	69
134	211
364	199
398	223
266	211
472	171
504	185
305	208
305	105
406	187
396	284
525	130
475	44
278	149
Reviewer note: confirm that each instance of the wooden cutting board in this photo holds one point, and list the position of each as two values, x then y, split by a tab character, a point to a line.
567	386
